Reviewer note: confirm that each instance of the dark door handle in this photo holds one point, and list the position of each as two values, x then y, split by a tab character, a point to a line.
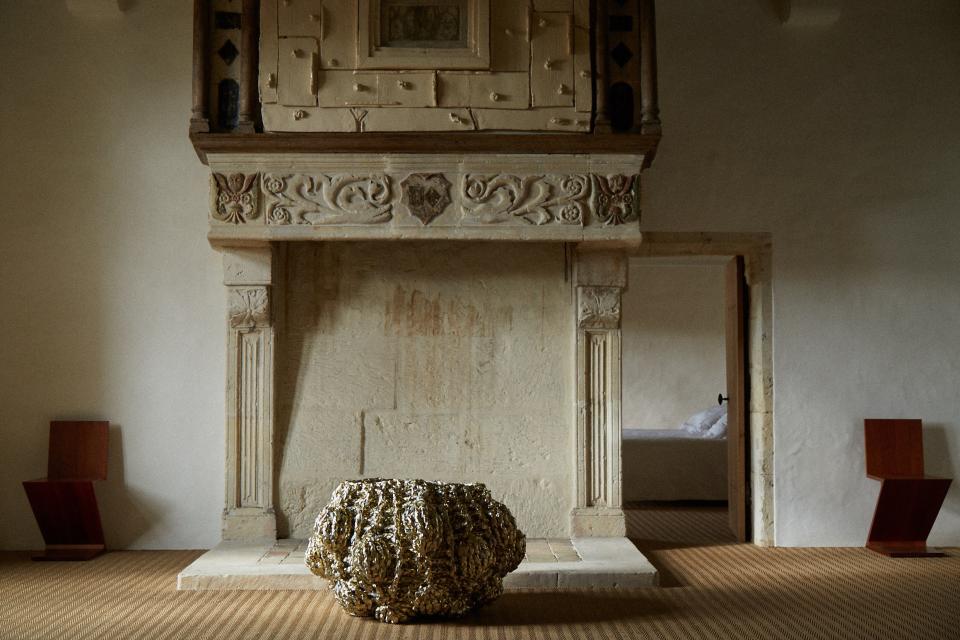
721	398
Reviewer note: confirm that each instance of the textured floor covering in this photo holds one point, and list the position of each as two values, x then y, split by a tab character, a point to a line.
659	525
722	590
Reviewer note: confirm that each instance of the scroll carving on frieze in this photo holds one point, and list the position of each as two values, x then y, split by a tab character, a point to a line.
537	200
598	307
616	199
235	197
328	199
248	307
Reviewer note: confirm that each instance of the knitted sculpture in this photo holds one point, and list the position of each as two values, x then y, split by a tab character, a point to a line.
395	549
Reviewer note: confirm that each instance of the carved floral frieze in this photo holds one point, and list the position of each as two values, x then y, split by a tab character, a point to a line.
328	199
353	199
616	200
248	307
598	307
235	197
538	199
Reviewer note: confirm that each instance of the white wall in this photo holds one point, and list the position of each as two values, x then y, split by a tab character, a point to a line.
673	341
111	302
842	142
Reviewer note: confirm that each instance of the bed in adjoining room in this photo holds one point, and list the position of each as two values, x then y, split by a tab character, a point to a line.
686	463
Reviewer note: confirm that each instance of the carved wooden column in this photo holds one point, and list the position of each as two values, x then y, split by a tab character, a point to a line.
600	280
601	78
249	55
200	112
649	103
248	276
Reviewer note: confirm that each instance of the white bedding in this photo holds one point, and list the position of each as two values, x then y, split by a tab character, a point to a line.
673	464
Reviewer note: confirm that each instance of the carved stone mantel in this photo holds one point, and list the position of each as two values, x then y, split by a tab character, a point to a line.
259	202
564	198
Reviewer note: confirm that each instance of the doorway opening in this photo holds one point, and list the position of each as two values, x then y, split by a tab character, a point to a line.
685	455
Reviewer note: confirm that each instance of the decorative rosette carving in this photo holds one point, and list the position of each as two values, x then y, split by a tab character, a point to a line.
248	307
598	307
616	201
235	197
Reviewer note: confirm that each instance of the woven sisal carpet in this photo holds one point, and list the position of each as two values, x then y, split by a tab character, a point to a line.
653	525
724	591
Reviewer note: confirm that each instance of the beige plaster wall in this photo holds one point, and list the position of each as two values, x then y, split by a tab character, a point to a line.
673	337
438	360
111	305
840	141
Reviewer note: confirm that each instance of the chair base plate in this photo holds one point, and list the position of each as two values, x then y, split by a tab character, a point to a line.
68	552
905	550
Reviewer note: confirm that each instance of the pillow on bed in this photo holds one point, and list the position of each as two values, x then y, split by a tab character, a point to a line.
701	422
719	429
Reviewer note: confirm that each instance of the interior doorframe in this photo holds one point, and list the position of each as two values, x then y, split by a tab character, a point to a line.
756	250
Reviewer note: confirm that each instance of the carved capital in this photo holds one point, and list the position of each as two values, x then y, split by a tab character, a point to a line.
248	307
235	197
617	199
598	307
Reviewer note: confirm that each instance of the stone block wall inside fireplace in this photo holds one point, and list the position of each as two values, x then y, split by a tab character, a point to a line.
438	360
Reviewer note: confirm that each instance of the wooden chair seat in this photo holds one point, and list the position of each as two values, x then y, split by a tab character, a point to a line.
64	503
909	500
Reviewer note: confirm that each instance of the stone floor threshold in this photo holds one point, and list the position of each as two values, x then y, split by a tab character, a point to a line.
549	564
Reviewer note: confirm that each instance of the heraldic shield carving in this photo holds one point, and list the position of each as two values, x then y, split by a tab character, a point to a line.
426	195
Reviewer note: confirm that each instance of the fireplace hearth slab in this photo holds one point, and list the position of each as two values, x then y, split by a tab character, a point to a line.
550	564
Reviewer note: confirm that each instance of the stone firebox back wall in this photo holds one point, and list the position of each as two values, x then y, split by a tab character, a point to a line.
447	361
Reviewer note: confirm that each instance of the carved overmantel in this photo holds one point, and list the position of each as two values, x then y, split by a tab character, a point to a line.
308	76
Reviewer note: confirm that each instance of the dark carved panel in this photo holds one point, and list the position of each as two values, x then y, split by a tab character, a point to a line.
228	104
228	52
621	107
227	20
423	24
621	23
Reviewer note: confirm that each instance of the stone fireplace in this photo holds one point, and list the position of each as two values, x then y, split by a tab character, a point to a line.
482	345
425	234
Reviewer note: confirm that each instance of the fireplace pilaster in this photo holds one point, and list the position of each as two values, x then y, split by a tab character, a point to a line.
600	280
248	276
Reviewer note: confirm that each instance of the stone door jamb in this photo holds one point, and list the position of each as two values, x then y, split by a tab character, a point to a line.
756	250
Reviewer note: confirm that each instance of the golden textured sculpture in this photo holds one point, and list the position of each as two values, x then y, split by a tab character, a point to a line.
395	549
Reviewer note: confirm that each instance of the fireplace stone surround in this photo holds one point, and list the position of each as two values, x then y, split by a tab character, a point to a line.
287	282
430	286
427	284
556	233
